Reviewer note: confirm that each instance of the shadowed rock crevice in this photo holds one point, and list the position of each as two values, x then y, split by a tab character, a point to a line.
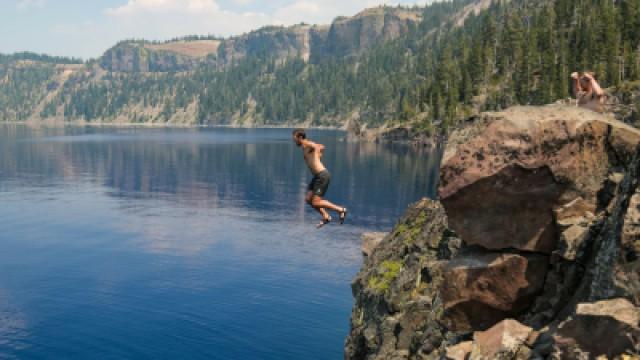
609	256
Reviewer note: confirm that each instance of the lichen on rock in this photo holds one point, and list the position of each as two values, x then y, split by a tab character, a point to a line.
395	308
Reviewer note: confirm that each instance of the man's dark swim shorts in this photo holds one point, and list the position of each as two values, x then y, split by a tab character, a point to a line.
320	183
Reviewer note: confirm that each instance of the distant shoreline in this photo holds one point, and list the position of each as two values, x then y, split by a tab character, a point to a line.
161	126
350	136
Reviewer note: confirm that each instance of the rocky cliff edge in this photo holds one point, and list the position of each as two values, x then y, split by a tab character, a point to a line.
530	253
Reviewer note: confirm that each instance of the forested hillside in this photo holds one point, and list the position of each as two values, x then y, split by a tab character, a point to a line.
523	52
430	66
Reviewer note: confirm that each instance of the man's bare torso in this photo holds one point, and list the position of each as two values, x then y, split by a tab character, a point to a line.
312	158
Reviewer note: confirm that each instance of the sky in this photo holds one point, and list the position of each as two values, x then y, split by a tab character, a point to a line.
86	28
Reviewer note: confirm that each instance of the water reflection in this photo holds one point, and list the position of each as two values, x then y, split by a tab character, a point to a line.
129	243
13	327
254	169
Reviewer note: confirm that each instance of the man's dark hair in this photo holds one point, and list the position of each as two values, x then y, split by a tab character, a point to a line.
299	133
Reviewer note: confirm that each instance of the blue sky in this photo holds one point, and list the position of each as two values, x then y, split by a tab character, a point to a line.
85	28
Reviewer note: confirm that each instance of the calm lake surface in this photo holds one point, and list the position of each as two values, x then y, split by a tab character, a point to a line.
156	243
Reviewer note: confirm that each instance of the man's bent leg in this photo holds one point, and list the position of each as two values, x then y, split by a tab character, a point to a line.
309	199
323	212
318	202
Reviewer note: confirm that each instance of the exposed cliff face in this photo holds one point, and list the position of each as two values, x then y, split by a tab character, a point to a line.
347	36
273	42
533	244
352	36
141	57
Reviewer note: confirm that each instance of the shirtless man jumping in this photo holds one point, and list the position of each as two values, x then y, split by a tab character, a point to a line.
320	183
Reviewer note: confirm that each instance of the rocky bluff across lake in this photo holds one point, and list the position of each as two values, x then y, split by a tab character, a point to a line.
532	251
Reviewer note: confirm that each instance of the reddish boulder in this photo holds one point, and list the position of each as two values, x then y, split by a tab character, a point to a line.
503	341
503	177
460	351
480	290
614	320
510	209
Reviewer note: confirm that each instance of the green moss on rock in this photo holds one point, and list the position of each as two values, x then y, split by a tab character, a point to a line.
385	274
412	229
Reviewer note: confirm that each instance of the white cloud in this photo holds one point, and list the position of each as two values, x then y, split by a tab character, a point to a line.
300	11
324	11
27	4
158	19
133	7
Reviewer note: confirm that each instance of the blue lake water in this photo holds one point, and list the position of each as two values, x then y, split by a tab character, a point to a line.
158	243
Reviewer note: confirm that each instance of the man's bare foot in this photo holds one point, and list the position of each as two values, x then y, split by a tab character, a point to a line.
323	222
343	215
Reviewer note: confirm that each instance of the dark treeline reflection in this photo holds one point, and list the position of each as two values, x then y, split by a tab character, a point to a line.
257	169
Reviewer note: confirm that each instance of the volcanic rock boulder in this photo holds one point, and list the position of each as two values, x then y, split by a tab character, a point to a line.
518	214
605	328
479	290
503	341
502	179
460	351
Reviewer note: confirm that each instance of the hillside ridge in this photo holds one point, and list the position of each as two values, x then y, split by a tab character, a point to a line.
422	71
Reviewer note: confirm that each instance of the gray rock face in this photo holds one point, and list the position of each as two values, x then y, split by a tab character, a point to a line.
631	227
370	241
396	311
133	57
276	42
613	270
530	229
352	36
622	103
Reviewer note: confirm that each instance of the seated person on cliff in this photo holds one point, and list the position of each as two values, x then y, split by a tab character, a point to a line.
588	92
